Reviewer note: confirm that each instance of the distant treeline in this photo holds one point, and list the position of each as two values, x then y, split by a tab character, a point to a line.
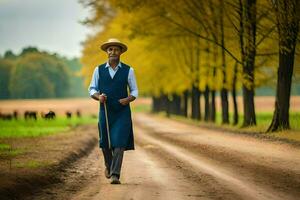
39	74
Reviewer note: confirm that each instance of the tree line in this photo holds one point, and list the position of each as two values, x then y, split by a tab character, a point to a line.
184	49
39	74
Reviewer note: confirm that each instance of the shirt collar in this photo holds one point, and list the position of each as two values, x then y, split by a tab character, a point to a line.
119	65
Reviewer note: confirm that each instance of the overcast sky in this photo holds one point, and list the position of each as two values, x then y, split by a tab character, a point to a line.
50	25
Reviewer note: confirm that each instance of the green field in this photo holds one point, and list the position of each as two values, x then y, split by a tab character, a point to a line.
31	128
263	120
40	127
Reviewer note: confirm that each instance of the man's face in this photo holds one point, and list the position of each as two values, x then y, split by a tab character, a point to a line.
114	53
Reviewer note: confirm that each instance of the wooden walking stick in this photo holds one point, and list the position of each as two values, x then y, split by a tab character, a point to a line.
107	125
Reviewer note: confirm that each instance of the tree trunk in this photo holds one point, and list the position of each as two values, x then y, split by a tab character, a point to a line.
280	119
288	27
162	103
196	103
249	110
235	107
158	104
196	107
224	92
167	104
248	63
154	104
213	88
184	108
176	101
206	106
225	113
213	106
172	106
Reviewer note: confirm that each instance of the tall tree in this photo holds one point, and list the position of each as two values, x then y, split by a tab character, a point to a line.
224	91
248	48
234	100
287	16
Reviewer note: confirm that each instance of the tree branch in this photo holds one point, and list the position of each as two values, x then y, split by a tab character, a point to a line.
202	37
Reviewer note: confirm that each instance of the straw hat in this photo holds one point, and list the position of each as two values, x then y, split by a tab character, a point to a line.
115	42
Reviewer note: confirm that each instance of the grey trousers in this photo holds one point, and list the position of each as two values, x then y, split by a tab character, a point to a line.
113	160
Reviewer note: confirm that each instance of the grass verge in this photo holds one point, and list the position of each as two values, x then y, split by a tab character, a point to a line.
31	164
263	121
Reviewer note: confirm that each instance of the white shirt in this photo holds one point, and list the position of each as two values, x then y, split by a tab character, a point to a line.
94	85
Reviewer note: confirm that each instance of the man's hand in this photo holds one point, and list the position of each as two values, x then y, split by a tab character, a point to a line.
127	100
124	101
102	98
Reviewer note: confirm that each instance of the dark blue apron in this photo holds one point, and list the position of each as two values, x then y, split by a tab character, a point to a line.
119	116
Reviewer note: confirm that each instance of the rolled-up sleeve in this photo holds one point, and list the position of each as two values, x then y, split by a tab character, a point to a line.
94	85
132	83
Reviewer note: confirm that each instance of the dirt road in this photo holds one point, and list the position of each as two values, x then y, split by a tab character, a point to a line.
174	160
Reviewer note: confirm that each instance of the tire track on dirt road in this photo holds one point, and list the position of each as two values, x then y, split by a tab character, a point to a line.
144	176
220	154
226	179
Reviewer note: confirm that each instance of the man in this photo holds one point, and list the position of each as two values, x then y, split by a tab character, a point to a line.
109	86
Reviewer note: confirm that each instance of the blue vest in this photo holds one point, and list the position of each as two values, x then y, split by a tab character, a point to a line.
119	116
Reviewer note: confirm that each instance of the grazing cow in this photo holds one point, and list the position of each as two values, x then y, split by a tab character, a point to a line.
6	116
68	114
49	115
15	114
78	113
30	115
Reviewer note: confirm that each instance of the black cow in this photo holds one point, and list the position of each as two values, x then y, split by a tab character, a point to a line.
6	116
49	115
68	114
15	114
78	113
30	115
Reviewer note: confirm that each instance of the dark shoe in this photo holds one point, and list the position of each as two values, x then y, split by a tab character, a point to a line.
115	180
107	174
